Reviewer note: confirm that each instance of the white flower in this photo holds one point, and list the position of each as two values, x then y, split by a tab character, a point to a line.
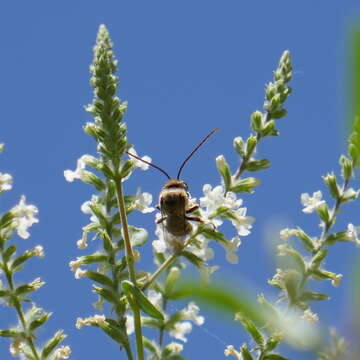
70	175
138	163
201	249
336	280
82	243
79	273
191	313
129	324
86	208
39	251
16	347
310	316
91	320
353	233
215	199
155	298
63	352
24	217
242	222
311	203
180	330
36	284
206	271
175	348
75	264
142	202
285	234
5	182
230	351
230	248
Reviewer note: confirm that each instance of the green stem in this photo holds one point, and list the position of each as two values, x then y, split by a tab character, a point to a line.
169	261
131	266
17	306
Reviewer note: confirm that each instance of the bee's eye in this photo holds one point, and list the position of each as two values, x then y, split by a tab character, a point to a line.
186	185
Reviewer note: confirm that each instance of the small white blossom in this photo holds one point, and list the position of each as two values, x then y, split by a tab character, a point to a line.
336	280
129	324
39	251
16	347
24	217
201	249
242	222
63	352
79	273
175	348
206	271
75	264
155	298
98	305
141	165
285	234
86	208
230	248
191	313
82	243
70	175
311	203
310	316
282	250
91	320
5	182
350	194
353	233
180	330
215	198
142	202
230	350
36	284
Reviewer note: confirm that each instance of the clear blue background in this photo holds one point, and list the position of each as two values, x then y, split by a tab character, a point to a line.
186	67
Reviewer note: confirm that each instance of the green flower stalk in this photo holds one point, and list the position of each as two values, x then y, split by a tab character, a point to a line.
17	295
111	206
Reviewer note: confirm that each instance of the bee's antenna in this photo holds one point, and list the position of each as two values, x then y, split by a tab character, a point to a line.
151	164
194	151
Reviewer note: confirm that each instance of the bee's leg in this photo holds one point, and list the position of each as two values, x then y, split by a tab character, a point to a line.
161	220
192	209
194	218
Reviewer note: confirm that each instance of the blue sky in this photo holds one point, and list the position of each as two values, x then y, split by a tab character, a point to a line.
185	68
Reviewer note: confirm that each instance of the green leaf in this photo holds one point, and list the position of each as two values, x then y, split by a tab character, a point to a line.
313	296
338	236
227	299
306	240
251	329
52	344
211	233
10	333
151	346
245	185
354	142
195	260
10	250
256	165
274	357
246	353
6	219
142	301
100	278
34	324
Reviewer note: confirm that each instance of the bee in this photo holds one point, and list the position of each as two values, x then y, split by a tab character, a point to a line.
174	199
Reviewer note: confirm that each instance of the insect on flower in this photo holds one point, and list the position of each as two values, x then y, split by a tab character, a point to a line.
174	199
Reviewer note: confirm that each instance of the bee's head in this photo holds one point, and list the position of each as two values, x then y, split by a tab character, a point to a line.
176	184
